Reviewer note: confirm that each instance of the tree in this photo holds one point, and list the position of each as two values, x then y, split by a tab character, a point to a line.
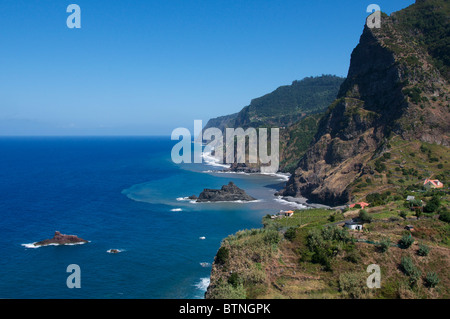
433	204
364	216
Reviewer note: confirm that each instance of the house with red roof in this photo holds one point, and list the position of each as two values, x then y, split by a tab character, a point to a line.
432	183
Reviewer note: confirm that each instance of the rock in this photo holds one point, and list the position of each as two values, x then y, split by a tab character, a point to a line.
113	251
193	197
375	102
61	239
227	193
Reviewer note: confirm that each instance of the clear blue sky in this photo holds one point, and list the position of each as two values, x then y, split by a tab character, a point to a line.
147	67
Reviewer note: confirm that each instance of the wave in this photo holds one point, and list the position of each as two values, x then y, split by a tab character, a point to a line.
213	161
230	201
182	199
205	264
33	246
282	176
203	284
292	204
202	238
176	210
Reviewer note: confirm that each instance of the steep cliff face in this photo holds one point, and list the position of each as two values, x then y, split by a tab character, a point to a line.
393	88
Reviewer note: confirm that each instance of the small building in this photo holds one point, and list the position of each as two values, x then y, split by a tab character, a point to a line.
410	198
409	227
353	226
288	213
361	204
432	183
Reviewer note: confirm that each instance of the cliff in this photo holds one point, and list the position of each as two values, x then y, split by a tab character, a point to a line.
394	88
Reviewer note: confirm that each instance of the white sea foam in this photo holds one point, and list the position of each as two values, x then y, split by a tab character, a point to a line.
202	238
292	204
205	264
176	210
182	199
33	246
110	251
30	245
203	284
213	161
282	176
229	201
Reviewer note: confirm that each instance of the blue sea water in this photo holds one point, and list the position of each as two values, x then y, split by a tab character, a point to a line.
118	193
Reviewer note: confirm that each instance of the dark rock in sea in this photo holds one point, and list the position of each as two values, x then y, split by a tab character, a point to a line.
61	239
193	197
227	193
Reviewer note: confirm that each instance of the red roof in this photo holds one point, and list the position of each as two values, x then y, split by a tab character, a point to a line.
362	204
435	182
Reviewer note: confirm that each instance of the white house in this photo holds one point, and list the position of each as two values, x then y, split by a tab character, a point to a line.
353	226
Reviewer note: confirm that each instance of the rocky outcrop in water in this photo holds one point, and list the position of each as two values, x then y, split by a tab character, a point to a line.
61	239
228	193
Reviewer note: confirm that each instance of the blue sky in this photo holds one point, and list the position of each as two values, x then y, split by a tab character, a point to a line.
147	67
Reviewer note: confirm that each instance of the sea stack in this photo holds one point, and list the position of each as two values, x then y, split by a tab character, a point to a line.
228	193
61	239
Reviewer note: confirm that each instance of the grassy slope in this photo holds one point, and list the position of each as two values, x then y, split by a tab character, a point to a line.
270	268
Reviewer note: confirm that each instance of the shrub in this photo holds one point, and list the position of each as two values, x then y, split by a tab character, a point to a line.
406	241
235	280
433	205
409	269
384	245
290	234
364	216
403	214
432	279
424	250
222	255
440	166
445	216
271	237
353	285
407	265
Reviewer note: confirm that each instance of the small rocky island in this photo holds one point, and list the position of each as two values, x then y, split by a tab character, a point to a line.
228	193
61	239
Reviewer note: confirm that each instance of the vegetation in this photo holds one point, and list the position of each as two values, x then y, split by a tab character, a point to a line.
406	241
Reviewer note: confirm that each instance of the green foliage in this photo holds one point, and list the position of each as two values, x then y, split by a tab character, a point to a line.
353	285
222	255
364	216
235	280
224	290
406	241
445	216
403	214
290	233
326	243
424	250
384	245
271	237
432	279
409	269
433	205
428	20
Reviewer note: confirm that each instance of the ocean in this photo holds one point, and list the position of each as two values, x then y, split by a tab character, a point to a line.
120	193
